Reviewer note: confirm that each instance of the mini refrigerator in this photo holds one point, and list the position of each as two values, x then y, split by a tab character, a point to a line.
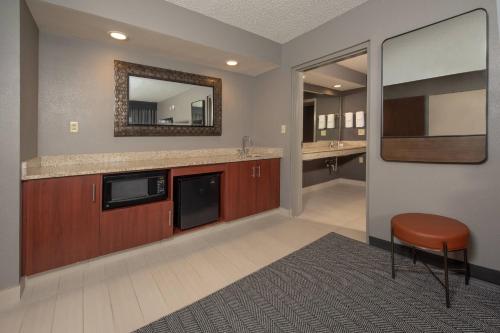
196	200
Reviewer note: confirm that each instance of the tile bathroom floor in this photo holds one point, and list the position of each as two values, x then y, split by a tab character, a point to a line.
342	204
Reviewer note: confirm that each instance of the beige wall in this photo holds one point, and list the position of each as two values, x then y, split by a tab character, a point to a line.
77	84
460	113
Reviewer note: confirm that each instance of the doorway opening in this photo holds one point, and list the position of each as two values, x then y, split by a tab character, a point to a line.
333	124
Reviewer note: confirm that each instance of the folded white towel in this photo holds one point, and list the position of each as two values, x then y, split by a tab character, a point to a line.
360	119
321	121
330	120
348	119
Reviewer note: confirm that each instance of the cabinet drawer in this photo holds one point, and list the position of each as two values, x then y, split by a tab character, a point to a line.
128	227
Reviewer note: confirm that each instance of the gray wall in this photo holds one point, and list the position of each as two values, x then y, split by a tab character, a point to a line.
9	137
316	172
466	192
355	101
77	83
29	84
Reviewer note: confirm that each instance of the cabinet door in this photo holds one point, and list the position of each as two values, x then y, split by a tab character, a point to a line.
60	221
268	185
127	227
240	190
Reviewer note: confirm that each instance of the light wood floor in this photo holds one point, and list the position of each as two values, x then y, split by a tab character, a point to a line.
340	204
124	291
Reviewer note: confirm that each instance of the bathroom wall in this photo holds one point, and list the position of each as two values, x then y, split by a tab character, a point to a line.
76	83
465	192
349	167
315	172
353	102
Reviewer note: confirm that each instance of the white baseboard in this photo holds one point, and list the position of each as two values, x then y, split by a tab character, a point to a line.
330	183
10	297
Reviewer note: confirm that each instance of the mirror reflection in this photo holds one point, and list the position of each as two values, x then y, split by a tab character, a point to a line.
435	79
158	102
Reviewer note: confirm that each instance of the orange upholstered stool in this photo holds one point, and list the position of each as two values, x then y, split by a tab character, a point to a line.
431	232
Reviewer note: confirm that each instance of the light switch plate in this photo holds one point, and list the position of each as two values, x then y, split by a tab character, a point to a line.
283	129
73	127
361	131
323	133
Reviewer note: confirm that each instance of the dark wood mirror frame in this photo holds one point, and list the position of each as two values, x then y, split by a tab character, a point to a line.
122	72
452	149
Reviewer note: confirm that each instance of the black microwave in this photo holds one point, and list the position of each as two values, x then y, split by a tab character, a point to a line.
134	188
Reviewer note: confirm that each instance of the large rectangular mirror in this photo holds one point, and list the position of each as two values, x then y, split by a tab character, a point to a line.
154	101
435	85
158	102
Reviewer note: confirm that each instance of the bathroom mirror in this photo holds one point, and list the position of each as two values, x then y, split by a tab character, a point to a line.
154	101
435	87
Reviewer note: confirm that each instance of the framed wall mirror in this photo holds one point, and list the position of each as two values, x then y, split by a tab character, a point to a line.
435	92
152	101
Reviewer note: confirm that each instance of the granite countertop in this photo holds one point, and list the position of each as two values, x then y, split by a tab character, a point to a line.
87	164
321	149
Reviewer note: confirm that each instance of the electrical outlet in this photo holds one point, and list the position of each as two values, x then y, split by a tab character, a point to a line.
323	133
283	129
73	127
361	159
361	131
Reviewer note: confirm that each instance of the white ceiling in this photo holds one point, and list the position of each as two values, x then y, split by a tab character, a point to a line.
66	21
278	20
358	64
319	77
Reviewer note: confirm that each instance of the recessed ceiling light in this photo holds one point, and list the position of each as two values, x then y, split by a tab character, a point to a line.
231	63
337	86
117	35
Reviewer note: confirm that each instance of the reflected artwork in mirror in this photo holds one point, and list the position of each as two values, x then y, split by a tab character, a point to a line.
154	101
435	87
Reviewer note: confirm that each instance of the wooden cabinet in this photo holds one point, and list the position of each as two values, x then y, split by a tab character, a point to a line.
252	187
63	222
123	228
268	185
60	221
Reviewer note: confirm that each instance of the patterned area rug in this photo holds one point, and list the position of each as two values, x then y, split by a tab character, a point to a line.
339	285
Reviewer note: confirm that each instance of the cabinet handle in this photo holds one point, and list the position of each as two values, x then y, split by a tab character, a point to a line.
170	218
93	193
253	172
259	171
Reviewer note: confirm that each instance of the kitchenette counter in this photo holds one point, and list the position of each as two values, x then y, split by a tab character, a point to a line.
324	149
87	164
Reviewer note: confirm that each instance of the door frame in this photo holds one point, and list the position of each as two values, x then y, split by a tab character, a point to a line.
297	75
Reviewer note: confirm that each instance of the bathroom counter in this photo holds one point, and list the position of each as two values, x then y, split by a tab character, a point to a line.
87	164
321	149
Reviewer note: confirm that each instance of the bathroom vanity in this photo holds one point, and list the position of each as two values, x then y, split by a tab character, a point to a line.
64	220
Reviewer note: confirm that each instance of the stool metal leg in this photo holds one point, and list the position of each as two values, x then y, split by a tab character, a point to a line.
467	270
392	255
446	283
